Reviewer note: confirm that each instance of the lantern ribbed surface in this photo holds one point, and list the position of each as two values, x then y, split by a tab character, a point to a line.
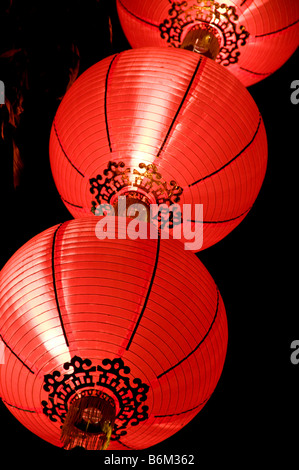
139	321
256	37
169	123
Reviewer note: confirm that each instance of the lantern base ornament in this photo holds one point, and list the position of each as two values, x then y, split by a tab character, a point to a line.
128	207
85	415
202	40
89	421
143	186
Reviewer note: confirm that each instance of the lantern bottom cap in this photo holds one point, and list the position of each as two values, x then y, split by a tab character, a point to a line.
202	39
89	421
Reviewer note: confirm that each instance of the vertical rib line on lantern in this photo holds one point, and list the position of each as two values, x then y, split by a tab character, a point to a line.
196	74
277	31
63	151
147	295
15	354
138	17
106	101
233	159
55	286
199	344
185	411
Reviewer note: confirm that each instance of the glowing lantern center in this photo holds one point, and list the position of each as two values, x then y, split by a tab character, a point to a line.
202	40
89	421
128	202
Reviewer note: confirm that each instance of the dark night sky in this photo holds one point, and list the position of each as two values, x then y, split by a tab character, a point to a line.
253	411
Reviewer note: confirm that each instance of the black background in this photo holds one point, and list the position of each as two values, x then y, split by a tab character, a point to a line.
252	415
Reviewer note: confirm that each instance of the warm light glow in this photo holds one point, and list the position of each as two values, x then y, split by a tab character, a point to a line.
257	37
168	123
145	329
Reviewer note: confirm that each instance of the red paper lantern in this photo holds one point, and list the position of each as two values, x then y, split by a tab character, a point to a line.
255	37
165	125
91	327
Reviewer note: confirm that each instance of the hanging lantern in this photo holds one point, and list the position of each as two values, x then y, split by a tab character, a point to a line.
253	37
112	341
161	126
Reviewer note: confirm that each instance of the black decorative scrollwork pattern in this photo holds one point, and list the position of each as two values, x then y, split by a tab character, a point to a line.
112	375
217	17
147	179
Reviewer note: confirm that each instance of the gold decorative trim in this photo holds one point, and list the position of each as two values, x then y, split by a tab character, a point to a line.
119	179
218	18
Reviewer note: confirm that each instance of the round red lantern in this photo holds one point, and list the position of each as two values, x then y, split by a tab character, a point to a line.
254	37
165	126
108	339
